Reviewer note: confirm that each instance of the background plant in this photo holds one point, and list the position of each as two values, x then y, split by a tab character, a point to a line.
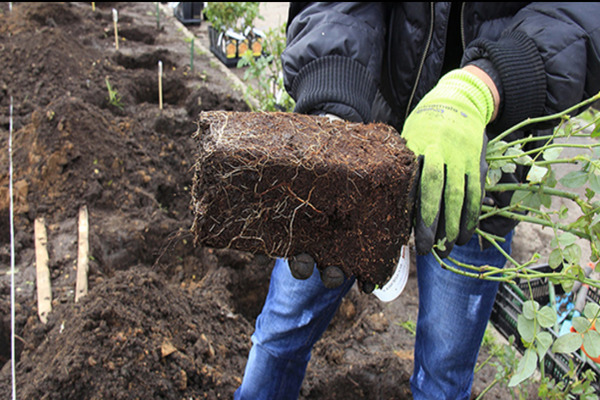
237	16
264	75
532	203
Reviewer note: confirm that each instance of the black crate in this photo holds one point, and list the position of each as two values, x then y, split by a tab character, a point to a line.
508	306
226	49
229	47
189	13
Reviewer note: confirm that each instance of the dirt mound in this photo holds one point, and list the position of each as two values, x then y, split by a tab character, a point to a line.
134	336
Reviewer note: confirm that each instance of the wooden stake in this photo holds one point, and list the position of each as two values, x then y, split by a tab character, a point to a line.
192	56
160	97
44	290
115	20
81	286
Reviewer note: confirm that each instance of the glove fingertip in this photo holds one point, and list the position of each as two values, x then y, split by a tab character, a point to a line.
332	277
302	266
424	238
464	236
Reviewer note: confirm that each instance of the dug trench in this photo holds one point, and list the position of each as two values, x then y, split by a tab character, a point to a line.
163	318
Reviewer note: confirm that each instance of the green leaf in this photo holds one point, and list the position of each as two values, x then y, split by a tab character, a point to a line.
572	253
496	148
546	200
509	168
567	343
527	328
546	317
555	259
526	198
567	285
574	179
493	176
536	173
564	239
563	212
581	324
543	342
589	194
519	156
595	182
596	132
525	369
530	307
552	154
591	310
595	220
591	343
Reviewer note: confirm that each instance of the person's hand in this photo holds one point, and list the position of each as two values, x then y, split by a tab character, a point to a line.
303	265
447	132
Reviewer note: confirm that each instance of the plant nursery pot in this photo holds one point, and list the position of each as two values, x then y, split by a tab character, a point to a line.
229	46
225	45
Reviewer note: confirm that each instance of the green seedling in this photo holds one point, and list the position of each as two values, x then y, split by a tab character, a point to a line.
114	99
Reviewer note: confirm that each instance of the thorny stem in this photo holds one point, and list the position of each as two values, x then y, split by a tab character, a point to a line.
532	215
546	147
530	121
507	274
508	187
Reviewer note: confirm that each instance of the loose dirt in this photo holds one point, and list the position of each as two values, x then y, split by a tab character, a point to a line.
163	318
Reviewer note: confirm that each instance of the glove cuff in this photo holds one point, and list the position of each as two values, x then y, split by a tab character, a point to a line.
471	88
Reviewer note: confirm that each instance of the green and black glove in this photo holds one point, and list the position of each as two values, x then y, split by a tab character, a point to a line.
303	265
447	131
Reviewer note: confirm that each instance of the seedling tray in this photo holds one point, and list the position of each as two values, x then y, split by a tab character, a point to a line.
508	306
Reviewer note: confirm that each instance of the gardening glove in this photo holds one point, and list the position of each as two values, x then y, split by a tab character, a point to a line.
302	266
447	132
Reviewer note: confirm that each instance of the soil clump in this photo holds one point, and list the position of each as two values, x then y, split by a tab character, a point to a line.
283	184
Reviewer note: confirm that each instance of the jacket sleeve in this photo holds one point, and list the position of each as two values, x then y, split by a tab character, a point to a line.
546	60
333	57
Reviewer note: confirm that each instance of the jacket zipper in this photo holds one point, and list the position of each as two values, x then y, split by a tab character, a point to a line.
422	63
462	27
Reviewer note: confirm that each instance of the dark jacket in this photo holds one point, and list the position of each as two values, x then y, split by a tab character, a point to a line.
374	61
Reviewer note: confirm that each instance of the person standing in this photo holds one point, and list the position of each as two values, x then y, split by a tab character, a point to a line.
448	76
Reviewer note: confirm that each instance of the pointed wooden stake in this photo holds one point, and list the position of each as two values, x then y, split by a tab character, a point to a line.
81	287
44	290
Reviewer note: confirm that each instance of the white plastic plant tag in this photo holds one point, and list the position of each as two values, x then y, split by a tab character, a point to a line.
392	289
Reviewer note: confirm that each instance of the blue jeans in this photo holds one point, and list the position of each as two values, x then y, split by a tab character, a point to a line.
453	315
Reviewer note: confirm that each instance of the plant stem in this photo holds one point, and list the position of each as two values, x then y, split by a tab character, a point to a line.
487	389
530	121
510	187
546	147
537	221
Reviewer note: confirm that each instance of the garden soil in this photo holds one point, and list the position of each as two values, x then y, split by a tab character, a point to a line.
163	318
